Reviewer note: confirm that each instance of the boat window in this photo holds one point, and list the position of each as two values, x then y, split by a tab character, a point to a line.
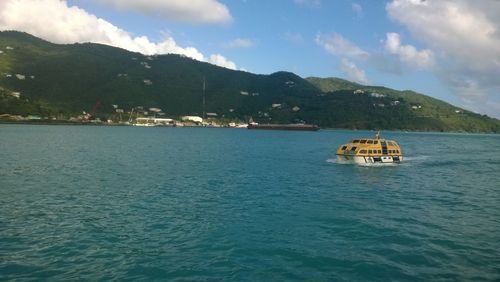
369	141
379	152
375	142
355	141
344	147
369	151
354	148
362	151
397	151
362	141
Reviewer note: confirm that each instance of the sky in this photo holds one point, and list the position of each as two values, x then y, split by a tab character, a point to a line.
447	49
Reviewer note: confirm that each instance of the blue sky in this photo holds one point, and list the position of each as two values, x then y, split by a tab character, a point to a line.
448	49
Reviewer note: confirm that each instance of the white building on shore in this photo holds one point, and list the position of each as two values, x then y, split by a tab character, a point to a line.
196	119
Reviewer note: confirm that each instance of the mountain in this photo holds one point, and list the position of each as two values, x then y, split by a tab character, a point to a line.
42	78
415	111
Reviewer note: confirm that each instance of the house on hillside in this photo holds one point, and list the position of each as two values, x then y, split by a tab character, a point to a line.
196	119
155	110
377	95
359	92
15	94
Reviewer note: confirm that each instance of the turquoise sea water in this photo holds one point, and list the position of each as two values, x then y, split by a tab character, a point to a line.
127	203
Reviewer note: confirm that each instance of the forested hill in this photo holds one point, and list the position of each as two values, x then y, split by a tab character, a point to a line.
53	80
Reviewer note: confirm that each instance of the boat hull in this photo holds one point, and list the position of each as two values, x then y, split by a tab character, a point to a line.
369	159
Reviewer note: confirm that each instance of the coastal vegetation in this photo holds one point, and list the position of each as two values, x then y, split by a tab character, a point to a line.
63	81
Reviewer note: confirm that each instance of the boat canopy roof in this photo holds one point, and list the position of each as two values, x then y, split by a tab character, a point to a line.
370	141
361	142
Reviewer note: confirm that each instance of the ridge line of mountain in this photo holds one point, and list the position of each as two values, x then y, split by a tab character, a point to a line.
64	80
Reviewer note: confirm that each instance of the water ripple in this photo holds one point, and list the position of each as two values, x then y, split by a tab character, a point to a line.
97	203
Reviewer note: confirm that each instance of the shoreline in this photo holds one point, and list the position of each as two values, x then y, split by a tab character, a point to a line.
57	123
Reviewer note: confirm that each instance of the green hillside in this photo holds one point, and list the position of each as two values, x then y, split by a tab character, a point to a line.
332	84
60	81
416	111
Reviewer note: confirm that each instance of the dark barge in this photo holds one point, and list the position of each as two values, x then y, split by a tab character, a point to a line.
293	127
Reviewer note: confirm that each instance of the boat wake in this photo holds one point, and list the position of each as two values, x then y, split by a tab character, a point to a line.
332	161
378	164
406	161
416	158
336	161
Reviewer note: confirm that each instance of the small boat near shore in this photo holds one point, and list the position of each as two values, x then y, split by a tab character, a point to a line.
370	151
293	127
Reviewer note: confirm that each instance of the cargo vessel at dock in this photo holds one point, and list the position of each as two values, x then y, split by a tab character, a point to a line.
292	127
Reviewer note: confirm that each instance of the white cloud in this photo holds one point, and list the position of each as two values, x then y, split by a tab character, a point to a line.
353	72
337	45
423	59
240	43
357	9
192	11
55	21
218	59
465	36
464	30
391	60
341	47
